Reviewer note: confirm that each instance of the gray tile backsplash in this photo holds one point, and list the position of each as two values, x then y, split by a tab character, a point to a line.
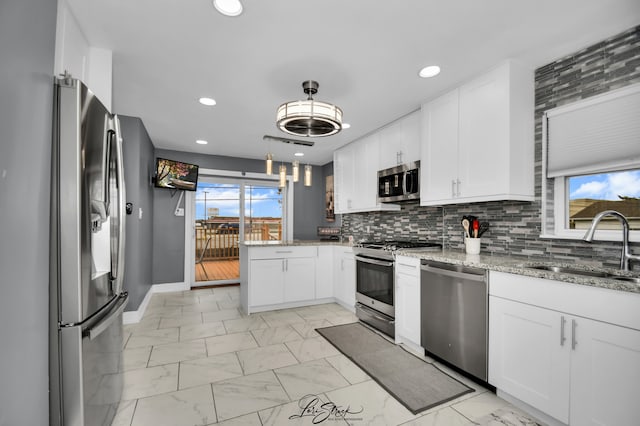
516	226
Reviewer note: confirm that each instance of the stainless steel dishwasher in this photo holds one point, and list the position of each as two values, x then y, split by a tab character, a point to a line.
454	315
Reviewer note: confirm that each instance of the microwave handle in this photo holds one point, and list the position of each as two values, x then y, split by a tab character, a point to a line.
408	183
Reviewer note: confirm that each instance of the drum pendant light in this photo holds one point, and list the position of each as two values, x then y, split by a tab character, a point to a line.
309	117
307	175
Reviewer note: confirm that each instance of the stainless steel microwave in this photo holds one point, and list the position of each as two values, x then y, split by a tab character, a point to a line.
400	183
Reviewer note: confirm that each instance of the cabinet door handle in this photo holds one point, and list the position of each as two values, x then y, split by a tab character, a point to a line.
458	188
562	323
453	188
284	251
282	265
574	342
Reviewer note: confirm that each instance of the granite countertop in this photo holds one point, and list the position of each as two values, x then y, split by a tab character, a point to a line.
523	266
295	243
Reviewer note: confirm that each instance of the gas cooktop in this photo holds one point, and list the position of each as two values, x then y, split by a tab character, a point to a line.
393	245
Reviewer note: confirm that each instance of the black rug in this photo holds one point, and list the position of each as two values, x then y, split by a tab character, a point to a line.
415	383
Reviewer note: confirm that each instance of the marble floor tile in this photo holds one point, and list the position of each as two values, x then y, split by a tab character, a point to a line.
443	417
507	416
319	312
274	335
186	319
348	369
244	324
192	406
144	338
135	358
145	381
312	377
215	297
308	328
480	406
201	307
209	370
174	352
144	324
278	318
230	343
164	311
222	314
265	358
338	319
310	349
247	394
198	291
125	413
229	304
247	420
199	331
180	301
371	404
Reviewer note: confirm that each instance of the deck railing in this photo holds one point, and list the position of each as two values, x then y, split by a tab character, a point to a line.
222	242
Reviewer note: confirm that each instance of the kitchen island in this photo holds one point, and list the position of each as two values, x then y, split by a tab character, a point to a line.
278	275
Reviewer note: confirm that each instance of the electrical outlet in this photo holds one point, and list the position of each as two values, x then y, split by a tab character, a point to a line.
179	211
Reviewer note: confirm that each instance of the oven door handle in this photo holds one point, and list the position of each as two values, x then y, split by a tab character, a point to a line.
373	261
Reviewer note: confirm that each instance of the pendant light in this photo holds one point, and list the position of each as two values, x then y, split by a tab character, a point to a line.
283	176
295	170
307	175
269	163
309	117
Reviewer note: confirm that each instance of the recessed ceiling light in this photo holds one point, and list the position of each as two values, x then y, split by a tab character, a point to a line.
207	101
299	154
346	125
430	71
228	7
201	142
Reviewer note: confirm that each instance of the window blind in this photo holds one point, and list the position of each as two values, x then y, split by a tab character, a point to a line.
595	135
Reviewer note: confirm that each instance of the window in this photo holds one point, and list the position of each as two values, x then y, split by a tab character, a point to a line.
591	163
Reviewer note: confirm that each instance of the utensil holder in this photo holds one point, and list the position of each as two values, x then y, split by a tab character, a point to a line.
472	245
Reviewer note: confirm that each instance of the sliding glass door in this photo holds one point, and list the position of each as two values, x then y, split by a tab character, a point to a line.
227	212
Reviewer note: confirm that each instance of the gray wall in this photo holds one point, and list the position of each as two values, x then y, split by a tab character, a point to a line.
27	36
168	229
139	163
516	226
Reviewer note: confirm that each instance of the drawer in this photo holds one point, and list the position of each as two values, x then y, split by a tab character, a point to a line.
280	252
408	265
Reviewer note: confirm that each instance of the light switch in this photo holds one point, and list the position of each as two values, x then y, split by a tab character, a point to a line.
140	213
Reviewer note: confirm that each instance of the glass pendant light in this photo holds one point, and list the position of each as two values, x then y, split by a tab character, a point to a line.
295	170
283	176
307	175
269	163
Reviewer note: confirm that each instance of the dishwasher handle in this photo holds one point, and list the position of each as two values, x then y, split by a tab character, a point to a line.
470	276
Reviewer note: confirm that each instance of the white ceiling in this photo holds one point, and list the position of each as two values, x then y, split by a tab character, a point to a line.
364	53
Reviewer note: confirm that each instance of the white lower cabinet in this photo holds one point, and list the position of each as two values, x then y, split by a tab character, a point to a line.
407	300
281	275
324	272
344	282
578	370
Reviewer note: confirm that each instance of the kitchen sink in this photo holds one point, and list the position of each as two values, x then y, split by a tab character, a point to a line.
566	270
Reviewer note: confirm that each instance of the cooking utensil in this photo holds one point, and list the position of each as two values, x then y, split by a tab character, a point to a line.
476	227
465	225
484	227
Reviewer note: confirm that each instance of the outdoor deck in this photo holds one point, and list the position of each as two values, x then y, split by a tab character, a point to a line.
213	270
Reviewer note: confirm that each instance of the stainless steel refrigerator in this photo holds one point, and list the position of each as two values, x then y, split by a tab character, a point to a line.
87	259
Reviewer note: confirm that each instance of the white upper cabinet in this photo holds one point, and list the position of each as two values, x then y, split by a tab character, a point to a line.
477	140
400	141
355	169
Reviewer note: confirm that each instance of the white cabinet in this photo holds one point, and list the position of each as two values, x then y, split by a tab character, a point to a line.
344	282
570	351
355	169
400	141
407	300
477	140
281	275
324	272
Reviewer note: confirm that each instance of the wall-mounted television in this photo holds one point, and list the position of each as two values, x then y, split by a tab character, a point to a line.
176	175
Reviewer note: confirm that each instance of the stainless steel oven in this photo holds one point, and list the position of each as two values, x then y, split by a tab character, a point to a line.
375	295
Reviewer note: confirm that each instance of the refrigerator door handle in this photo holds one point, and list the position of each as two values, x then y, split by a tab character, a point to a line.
117	252
100	327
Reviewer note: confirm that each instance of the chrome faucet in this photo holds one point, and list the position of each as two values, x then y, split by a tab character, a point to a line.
626	251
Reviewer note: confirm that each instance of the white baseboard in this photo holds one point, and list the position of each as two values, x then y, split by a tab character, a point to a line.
134	317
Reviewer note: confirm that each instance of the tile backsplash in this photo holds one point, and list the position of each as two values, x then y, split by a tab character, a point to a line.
516	226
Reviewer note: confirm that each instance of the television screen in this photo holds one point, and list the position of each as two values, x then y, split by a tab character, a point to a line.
176	175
